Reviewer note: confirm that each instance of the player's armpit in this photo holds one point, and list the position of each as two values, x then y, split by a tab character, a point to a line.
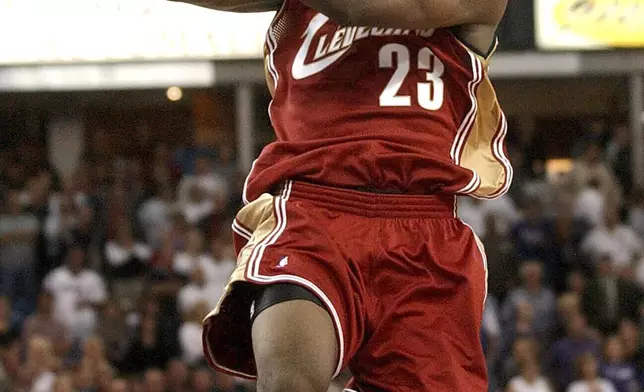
411	14
236	5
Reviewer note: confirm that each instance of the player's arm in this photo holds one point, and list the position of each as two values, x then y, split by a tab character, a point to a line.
236	5
411	14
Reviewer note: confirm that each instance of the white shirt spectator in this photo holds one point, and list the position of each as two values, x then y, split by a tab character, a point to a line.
589	206
44	382
621	244
192	294
520	384
191	342
211	184
584	386
475	212
155	216
184	263
71	292
116	255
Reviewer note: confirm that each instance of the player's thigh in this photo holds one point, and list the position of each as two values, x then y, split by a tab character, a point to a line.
294	342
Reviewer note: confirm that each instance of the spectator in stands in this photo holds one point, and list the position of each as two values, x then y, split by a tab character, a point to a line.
533	237
119	385
10	360
590	203
530	379
540	298
18	232
127	260
44	323
591	166
499	251
618	156
613	239
615	369
78	292
569	233
154	381
194	256
176	376
560	361
589	380
225	262
190	334
203	193
60	228
197	291
113	330
475	212
63	383
202	381
522	350
609	298
155	216
636	212
40	365
147	350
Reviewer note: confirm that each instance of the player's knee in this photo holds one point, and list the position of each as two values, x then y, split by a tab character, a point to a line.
289	378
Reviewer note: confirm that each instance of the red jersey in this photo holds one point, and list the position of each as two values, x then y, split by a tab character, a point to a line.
391	109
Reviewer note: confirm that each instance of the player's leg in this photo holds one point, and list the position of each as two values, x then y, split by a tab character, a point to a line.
294	341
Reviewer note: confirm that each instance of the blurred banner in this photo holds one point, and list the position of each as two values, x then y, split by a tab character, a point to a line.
589	25
73	31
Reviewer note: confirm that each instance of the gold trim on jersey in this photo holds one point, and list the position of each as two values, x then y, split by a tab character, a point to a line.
479	144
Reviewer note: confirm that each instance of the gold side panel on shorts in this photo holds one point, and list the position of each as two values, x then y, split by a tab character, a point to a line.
478	152
259	217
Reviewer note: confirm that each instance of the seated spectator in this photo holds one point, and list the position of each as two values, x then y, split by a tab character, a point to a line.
44	323
190	334
40	365
592	166
9	320
126	257
530	379
609	298
177	376
491	330
63	383
202	380
147	350
78	291
127	260
475	212
533	292
18	232
119	385
636	212
589	380
155	216
113	331
154	381
560	362
590	203
10	365
614	239
194	256
212	185
198	291
532	236
615	369
499	251
225	262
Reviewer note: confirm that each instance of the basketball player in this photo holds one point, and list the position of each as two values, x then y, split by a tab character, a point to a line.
350	252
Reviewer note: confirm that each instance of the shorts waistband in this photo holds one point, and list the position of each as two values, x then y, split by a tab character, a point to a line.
370	204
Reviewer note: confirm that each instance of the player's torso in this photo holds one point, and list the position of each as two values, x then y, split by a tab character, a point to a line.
379	98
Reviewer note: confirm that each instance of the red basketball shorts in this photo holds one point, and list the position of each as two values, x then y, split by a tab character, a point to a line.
402	278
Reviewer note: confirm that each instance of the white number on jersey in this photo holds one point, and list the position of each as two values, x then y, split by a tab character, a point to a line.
429	94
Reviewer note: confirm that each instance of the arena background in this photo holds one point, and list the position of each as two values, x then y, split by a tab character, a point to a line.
127	128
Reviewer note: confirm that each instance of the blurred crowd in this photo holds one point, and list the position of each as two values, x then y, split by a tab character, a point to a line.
106	274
